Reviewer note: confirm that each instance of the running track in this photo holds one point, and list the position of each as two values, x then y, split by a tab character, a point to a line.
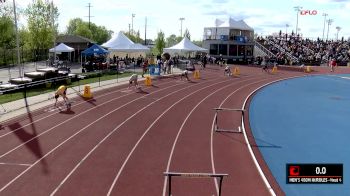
121	142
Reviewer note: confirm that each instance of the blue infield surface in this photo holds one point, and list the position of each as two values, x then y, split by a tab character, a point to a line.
304	120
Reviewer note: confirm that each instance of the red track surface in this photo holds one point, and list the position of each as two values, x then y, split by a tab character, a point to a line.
121	142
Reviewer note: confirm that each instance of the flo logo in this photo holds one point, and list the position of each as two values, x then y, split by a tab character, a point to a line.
294	170
308	12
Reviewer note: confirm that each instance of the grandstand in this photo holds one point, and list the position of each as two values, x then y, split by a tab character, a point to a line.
295	50
234	41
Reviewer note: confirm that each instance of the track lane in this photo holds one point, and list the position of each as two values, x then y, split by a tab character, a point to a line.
59	158
37	161
125	132
56	118
234	146
197	136
152	181
58	131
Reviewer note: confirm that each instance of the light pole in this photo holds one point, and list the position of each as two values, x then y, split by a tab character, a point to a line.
338	29
329	21
132	23
287	25
54	32
297	9
181	19
324	24
17	41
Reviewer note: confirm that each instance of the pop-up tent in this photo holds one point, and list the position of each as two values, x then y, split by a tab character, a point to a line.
122	43
94	50
61	48
185	45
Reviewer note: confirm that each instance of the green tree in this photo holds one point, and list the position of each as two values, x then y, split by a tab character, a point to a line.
83	30
134	37
138	38
73	25
159	44
198	43
99	34
187	34
172	40
40	24
7	33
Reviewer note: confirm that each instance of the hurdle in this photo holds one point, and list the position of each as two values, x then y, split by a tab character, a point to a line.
216	126
194	175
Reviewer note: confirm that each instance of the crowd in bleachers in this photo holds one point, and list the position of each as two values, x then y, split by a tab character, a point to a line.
294	50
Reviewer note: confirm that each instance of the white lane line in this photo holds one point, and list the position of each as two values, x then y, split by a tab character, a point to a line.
48	153
183	124
267	184
49	109
212	131
107	136
82	102
16	164
148	129
57	125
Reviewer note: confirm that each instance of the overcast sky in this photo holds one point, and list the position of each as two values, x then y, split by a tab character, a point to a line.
265	16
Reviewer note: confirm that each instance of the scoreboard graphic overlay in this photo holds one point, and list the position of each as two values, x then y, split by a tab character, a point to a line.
314	173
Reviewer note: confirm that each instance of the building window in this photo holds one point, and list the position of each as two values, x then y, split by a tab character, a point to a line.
241	50
223	49
233	50
213	49
249	50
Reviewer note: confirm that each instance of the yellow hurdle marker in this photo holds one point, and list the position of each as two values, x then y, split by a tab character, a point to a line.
308	69
196	74
274	69
148	81
236	71
87	92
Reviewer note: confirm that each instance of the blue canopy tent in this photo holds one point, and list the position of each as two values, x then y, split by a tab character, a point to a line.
92	51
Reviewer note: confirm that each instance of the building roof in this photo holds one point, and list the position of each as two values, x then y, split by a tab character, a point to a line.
231	23
73	39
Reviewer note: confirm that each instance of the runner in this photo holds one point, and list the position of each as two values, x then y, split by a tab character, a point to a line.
185	74
133	79
62	91
227	71
332	64
264	65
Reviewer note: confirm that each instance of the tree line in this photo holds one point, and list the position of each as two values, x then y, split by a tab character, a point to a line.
42	28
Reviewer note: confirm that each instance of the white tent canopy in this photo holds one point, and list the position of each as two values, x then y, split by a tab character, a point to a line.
233	24
122	43
61	48
185	45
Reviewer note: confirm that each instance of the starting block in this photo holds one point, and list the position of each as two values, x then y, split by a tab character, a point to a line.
148	81
196	74
216	126
87	92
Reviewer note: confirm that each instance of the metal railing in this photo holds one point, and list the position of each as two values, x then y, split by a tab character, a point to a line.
263	49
